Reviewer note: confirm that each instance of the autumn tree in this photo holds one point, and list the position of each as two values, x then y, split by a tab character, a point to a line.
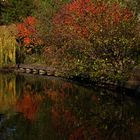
96	38
45	10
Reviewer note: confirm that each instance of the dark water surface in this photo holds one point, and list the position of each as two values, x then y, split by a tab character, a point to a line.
35	108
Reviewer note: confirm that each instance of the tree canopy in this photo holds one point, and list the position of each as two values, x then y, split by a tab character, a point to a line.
15	10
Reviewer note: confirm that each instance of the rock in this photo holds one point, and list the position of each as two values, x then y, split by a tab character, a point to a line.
28	70
50	73
42	72
35	71
21	69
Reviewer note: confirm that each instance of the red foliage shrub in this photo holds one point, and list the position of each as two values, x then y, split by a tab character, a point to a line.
82	17
27	33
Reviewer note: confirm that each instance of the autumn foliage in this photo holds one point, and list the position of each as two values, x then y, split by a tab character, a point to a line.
82	17
27	35
95	38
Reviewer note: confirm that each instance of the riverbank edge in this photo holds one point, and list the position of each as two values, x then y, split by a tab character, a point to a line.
131	86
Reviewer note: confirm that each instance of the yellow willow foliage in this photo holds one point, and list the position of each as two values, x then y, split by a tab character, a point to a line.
7	45
8	97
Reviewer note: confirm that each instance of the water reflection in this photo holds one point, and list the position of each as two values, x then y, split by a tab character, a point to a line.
33	108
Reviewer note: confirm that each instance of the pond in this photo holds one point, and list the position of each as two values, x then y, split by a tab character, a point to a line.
38	108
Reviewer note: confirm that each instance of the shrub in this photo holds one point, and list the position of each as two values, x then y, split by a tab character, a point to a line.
27	36
95	38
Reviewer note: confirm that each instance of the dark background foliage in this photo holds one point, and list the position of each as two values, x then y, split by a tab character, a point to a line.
15	10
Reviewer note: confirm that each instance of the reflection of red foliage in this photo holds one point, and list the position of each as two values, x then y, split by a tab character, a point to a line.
83	133
29	106
66	115
79	134
67	86
63	120
56	96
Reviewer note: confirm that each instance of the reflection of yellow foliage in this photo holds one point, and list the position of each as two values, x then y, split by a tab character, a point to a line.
8	95
10	86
